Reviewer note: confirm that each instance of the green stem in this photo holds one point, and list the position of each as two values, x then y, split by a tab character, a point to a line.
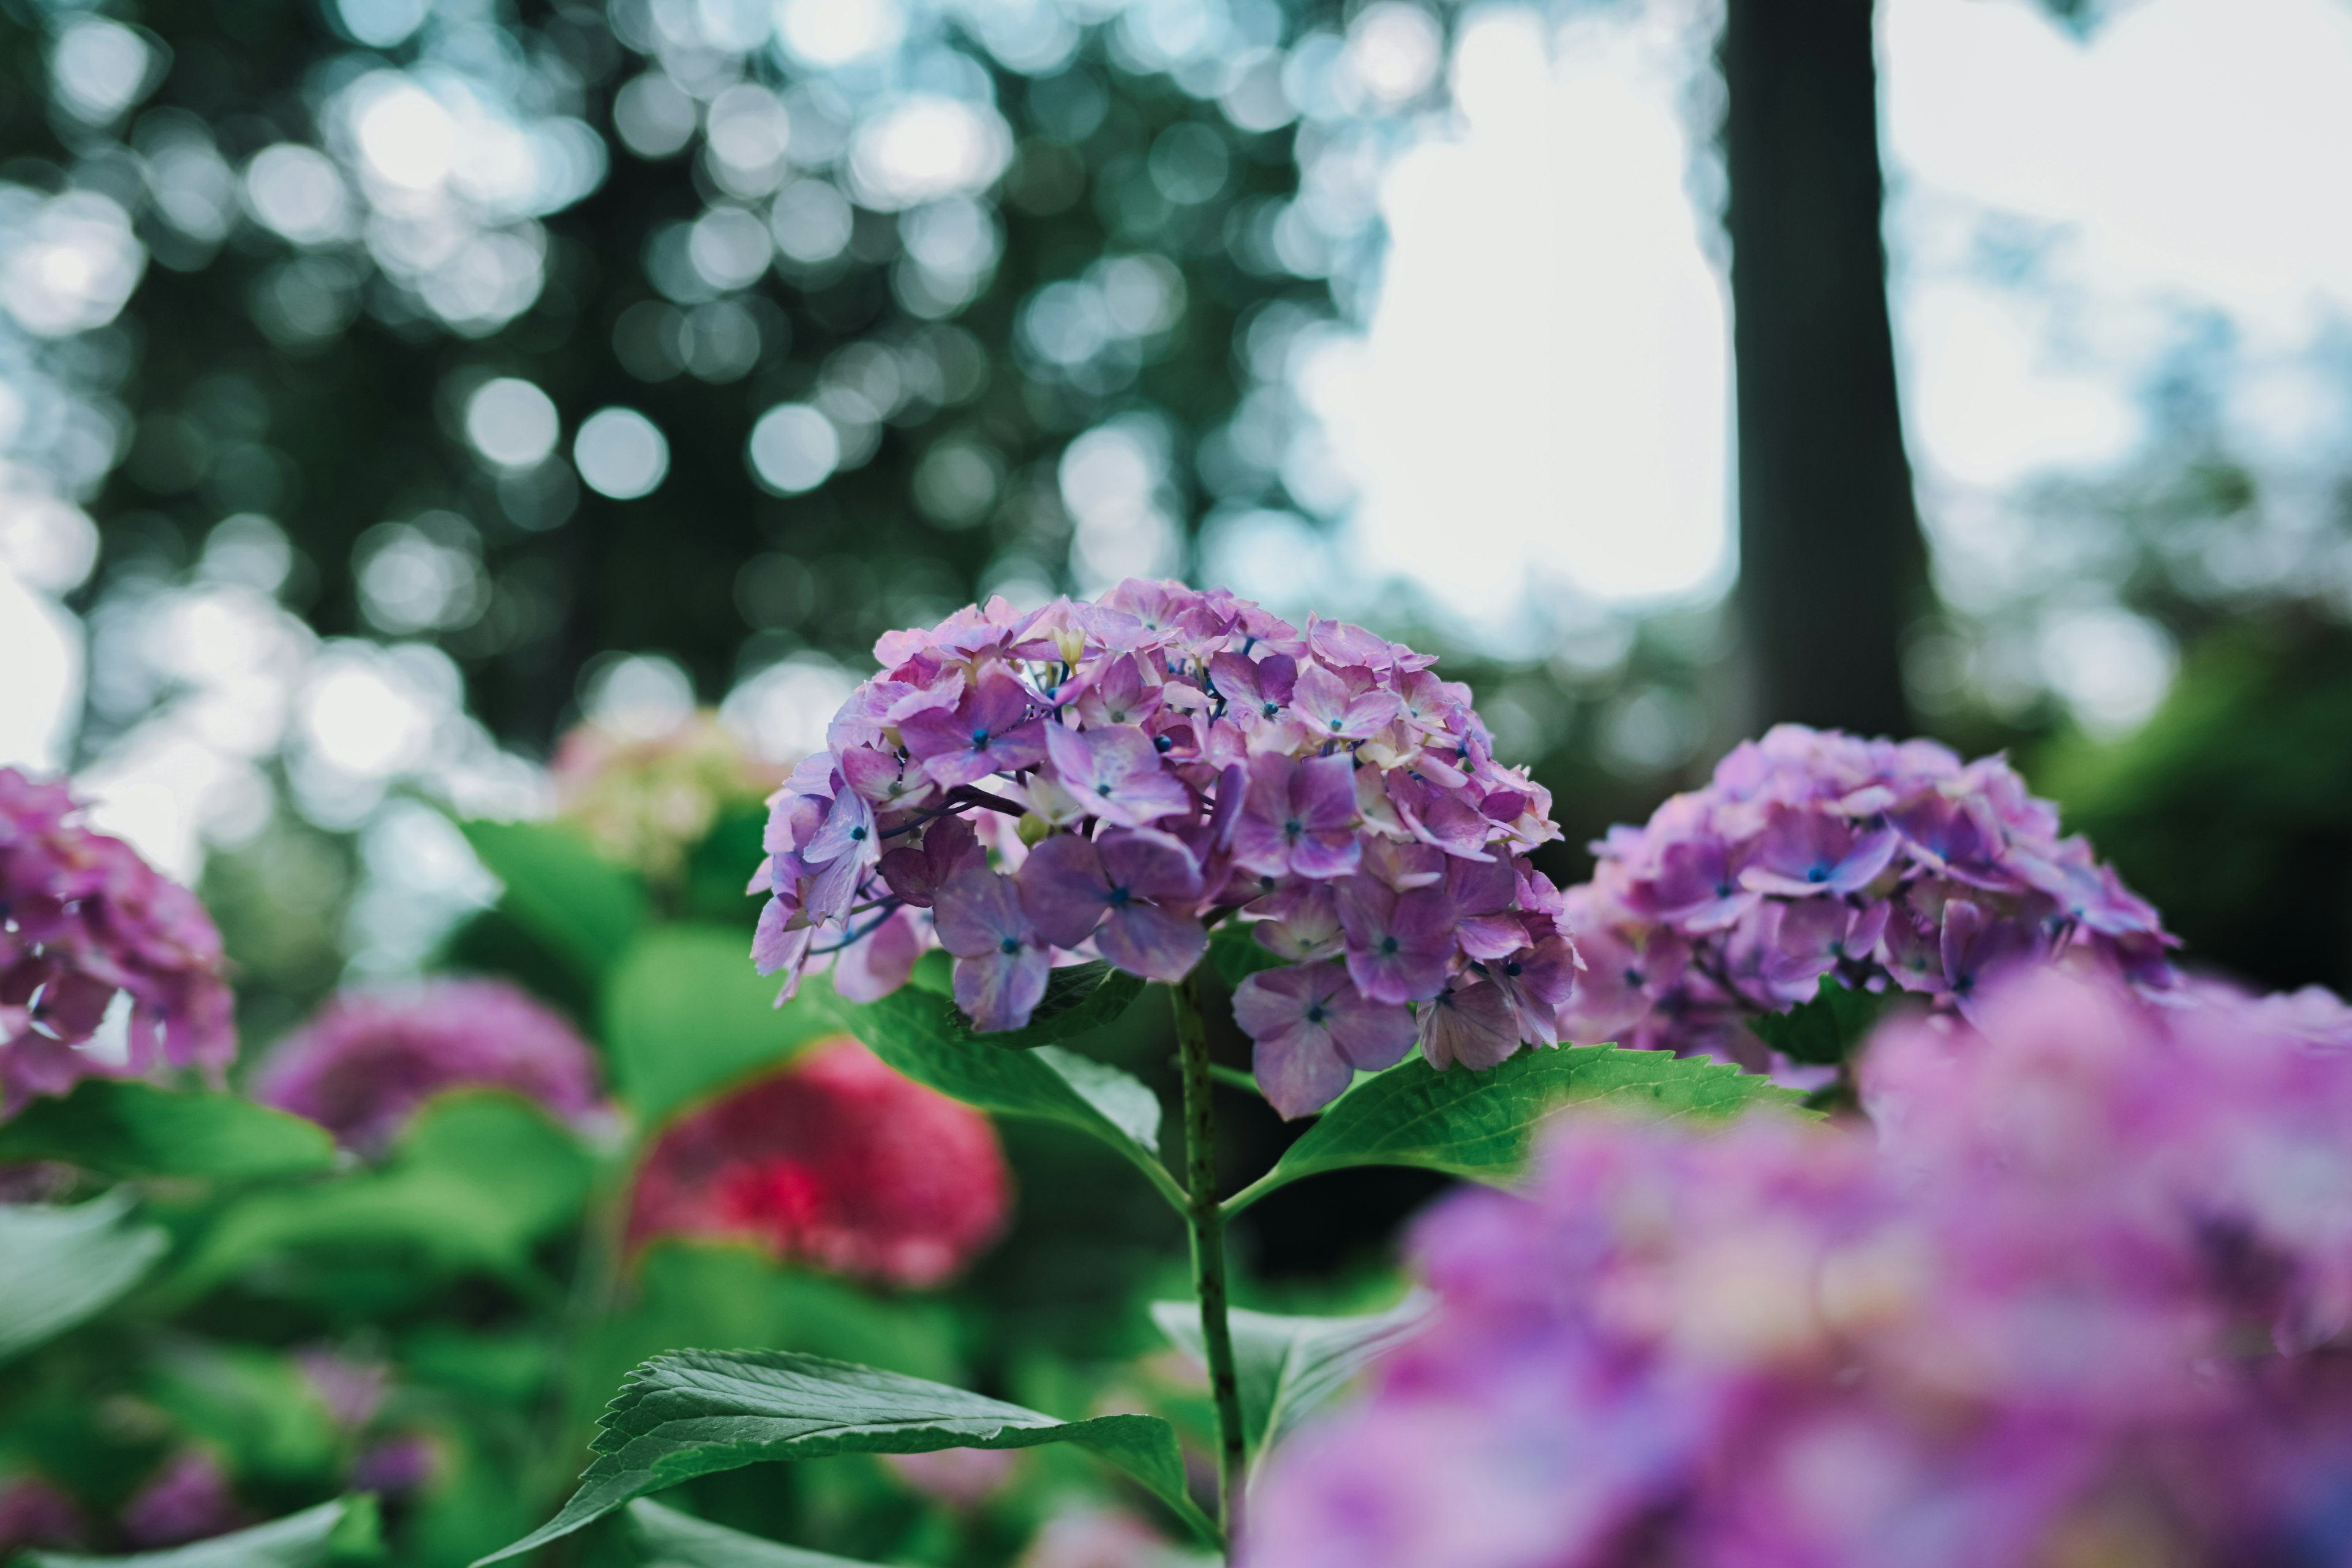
1208	1225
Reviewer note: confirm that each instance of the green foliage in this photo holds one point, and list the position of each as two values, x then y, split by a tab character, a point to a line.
685	1013
124	1128
692	1414
249	1406
921	1034
1238	955
1481	1125
60	1267
584	908
1823	1031
1288	1367
675	1540
331	1536
476	1181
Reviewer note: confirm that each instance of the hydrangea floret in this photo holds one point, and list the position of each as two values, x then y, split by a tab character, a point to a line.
82	921
2082	1297
368	1060
1109	779
1814	855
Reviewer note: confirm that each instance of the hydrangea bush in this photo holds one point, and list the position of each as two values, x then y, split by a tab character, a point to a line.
1172	757
1815	857
2080	1298
83	919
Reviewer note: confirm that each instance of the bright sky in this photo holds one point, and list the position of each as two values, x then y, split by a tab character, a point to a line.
1544	382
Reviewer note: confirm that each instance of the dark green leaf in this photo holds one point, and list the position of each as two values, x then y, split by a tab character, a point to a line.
1287	1367
1079	998
62	1266
584	908
1823	1031
680	1416
333	1533
675	1540
920	1034
1238	955
1481	1125
474	1183
686	1013
122	1129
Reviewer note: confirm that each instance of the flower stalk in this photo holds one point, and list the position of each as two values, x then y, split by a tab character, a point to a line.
1207	1222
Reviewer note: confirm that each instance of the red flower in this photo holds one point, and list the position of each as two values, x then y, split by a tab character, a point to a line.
838	1162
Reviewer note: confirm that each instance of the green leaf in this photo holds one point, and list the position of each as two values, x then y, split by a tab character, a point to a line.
1287	1367
253	1408
333	1533
475	1182
558	888
921	1035
1235	948
124	1129
1824	1030
685	1011
1079	999
1482	1124
59	1267
680	1416
675	1540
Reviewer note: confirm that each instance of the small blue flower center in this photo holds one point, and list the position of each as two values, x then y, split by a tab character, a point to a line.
1163	742
857	835
1337	723
1314	1014
1010	944
1388	944
1119	896
1271	708
1103	790
1511	968
1818	874
1293	828
979	738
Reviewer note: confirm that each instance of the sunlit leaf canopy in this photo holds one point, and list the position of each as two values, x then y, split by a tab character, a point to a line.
727	328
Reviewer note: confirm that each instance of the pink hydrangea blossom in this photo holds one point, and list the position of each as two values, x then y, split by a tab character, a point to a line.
2087	1286
1176	758
82	920
363	1066
1815	855
835	1161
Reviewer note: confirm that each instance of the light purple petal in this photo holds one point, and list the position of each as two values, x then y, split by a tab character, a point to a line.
1063	888
1150	865
1157	943
1472	1025
872	969
998	990
978	912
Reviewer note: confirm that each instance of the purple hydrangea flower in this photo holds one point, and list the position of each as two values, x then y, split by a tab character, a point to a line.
1173	758
1315	1031
82	920
2083	1296
187	1499
1812	854
363	1065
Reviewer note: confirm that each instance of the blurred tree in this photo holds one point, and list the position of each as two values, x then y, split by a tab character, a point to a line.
1831	564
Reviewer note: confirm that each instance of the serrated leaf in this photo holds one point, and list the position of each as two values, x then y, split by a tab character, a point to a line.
921	1035
685	1013
1481	1125
1235	948
585	909
680	1416
60	1267
675	1540
126	1129
342	1532
1287	1367
1823	1031
474	1183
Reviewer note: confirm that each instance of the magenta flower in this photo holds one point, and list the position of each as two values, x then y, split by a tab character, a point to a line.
990	729
1000	963
2088	1287
1174	758
365	1064
187	1499
1816	856
1313	1031
82	920
1131	890
1115	773
1299	818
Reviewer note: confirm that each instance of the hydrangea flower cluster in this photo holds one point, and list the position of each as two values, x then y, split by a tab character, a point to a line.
838	1162
1814	854
646	800
367	1060
2083	1299
83	917
1173	756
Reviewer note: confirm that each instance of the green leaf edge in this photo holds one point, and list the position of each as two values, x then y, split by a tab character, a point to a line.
672	1539
611	1481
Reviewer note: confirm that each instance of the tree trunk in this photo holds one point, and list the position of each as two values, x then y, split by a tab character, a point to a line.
1833	568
